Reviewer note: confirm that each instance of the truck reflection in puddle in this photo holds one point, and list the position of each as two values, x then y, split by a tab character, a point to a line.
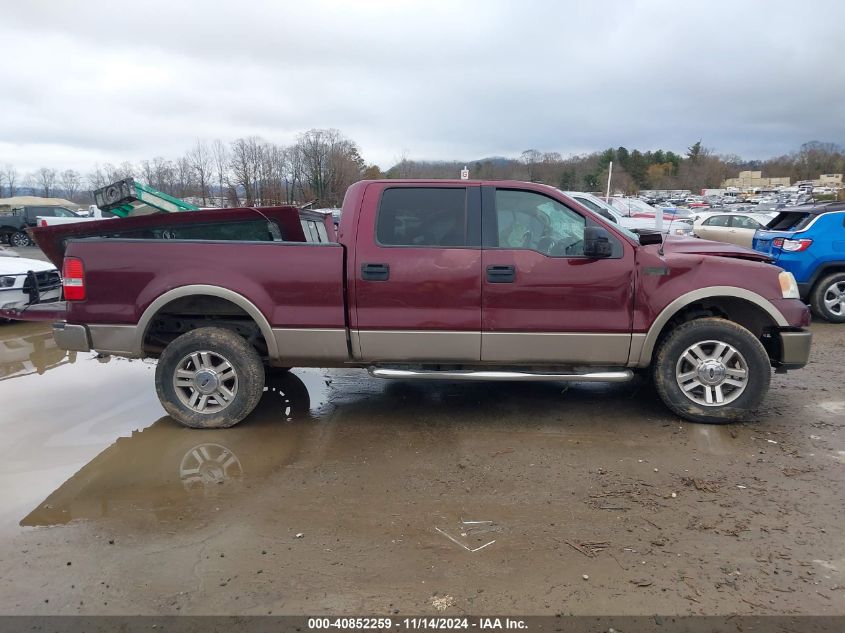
166	472
29	348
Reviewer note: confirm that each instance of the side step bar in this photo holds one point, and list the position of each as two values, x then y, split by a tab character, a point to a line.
422	374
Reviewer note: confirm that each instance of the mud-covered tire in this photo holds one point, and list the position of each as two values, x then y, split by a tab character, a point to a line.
670	371
834	283
238	357
19	239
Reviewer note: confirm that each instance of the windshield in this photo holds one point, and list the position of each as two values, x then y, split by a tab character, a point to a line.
629	205
600	207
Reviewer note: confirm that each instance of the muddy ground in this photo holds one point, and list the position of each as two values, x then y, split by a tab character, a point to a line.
345	494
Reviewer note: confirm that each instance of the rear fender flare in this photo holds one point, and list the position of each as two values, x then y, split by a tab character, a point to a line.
214	291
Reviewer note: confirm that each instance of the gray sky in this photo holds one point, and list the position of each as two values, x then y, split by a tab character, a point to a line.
91	81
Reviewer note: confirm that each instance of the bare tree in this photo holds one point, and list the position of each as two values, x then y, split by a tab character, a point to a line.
220	158
70	181
531	157
97	178
200	161
11	179
244	162
45	178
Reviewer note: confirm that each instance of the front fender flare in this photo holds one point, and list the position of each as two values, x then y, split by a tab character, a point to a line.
642	357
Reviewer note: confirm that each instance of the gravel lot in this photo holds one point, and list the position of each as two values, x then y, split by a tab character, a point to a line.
345	494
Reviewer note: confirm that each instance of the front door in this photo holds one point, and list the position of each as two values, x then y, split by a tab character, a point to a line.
543	301
417	276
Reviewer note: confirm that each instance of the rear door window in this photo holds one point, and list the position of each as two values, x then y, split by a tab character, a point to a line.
744	222
719	220
426	217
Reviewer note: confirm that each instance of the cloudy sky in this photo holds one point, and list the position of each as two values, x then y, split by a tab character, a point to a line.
91	81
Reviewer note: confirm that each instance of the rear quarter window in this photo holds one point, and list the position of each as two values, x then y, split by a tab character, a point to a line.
790	221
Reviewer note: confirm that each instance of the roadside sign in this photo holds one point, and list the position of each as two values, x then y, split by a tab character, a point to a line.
465	173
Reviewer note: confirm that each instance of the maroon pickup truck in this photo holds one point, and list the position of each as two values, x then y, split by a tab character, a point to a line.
457	280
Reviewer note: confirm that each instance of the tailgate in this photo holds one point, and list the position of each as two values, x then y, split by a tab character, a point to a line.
764	242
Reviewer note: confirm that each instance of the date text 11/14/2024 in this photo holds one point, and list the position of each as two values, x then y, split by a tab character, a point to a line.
417	623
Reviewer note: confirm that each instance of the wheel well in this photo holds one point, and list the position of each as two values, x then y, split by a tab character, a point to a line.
747	314
827	271
189	313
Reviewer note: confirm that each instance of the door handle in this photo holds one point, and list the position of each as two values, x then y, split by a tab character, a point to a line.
375	272
501	274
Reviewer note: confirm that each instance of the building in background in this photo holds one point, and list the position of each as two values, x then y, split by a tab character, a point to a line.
829	180
751	180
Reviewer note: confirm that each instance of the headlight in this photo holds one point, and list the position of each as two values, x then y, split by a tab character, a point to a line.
788	286
7	282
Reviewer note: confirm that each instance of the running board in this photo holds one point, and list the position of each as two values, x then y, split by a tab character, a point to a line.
422	374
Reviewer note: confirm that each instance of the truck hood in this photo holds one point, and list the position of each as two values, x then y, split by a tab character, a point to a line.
695	246
21	265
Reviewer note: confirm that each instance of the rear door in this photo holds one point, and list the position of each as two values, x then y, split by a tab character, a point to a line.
742	230
417	274
715	227
543	301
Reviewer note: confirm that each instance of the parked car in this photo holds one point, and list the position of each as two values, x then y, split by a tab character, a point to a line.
636	208
733	228
597	205
13	225
809	242
92	214
454	280
24	282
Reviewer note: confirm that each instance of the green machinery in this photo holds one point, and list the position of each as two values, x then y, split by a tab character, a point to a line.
127	197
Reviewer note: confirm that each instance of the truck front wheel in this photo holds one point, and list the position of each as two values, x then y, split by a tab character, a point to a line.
712	370
828	298
209	378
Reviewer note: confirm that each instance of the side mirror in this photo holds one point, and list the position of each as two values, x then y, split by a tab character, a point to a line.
597	242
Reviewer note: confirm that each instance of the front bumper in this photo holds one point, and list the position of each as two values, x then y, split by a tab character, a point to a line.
794	349
18	299
73	338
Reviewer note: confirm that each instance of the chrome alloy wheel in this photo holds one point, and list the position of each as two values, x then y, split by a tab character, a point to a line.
834	298
205	382
712	373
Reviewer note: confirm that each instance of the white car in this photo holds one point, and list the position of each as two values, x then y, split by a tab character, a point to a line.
17	286
733	228
676	227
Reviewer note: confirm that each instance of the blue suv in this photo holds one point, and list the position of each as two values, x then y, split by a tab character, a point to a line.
809	242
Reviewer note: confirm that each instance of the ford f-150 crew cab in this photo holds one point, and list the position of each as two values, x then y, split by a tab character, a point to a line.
456	280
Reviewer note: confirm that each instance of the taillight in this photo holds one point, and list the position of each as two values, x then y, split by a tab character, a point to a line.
73	279
796	246
777	242
43	222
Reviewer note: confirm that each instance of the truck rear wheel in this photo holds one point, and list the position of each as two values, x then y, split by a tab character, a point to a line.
209	378
712	370
827	301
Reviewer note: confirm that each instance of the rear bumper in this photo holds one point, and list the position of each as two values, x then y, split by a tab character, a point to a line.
73	338
794	349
